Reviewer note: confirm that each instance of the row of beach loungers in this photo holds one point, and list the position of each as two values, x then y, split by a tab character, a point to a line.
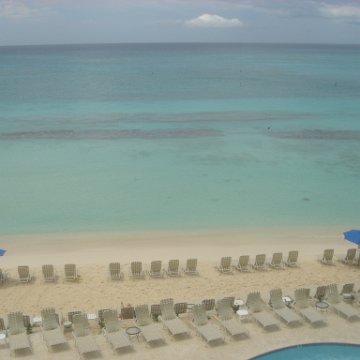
277	261
157	271
349	259
210	319
136	271
260	263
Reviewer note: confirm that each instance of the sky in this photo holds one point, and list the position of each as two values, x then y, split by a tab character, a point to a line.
26	22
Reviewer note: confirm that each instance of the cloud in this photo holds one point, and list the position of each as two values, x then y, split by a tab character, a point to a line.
18	9
341	11
212	21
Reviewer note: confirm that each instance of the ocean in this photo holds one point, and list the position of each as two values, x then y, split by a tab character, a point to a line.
178	136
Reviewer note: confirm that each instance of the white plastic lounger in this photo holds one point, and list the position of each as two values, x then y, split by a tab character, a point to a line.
191	265
24	273
277	261
156	270
225	265
243	264
227	319
136	270
149	330
208	331
115	271
70	272
84	341
260	262
350	257
308	313
292	258
256	306
170	320
48	272
3	276
52	333
18	338
113	332
173	268
328	256
281	310
341	308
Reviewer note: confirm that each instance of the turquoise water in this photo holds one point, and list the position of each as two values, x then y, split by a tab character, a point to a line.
315	352
119	137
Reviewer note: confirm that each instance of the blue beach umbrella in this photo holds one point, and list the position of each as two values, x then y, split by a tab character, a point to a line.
2	252
353	236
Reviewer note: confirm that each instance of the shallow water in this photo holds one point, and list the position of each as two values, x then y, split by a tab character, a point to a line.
114	137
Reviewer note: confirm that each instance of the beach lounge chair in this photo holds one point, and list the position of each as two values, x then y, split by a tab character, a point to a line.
209	332
51	330
209	305
127	312
230	300
156	270
226	317
18	339
180	308
3	276
191	265
308	313
243	264
173	268
225	265
100	315
72	313
256	307
328	256
115	271
113	332
345	310
155	311
320	293
170	320
70	272
150	331
2	326
260	262
84	341
24	273
136	271
350	257
292	258
348	292
48	272
277	261
281	310
3	331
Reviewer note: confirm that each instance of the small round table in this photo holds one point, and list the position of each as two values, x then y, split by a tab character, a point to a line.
37	320
287	300
239	302
243	313
91	316
322	306
133	331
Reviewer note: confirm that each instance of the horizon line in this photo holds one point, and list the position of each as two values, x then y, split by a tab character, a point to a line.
182	43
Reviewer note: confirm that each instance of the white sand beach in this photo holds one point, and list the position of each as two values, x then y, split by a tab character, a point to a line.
93	252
